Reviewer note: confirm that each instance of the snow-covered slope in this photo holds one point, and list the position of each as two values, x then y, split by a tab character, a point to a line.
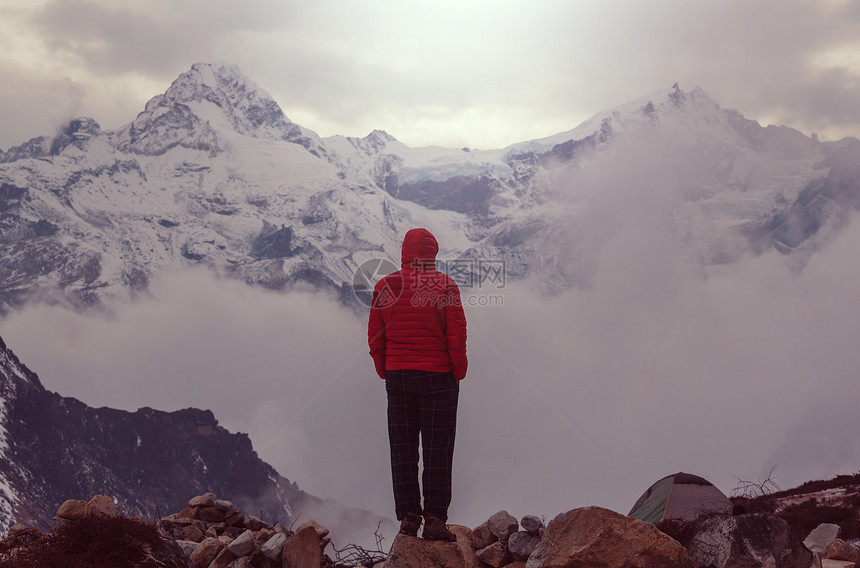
212	172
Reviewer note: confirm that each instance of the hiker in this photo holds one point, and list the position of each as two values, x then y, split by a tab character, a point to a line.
417	337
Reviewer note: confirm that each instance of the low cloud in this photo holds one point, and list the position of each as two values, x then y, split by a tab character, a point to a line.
585	398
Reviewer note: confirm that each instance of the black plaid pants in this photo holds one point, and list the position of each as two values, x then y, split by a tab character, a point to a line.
421	403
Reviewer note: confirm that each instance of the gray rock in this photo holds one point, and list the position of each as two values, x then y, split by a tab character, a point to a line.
274	547
749	541
187	546
496	555
521	544
821	537
503	525
532	524
205	500
482	536
253	523
244	544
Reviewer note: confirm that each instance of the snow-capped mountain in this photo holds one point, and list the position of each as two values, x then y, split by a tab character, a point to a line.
54	448
212	172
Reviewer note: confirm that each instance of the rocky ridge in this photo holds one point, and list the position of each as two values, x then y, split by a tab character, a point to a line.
149	460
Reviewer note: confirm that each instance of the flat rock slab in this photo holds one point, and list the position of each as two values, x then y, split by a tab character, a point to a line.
837	564
821	537
411	552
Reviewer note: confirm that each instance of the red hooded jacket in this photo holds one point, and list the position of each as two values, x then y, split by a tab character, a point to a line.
416	316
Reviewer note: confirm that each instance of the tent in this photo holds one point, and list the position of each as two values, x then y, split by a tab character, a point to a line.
681	496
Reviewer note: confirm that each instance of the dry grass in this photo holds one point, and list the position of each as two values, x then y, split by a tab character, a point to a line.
95	542
804	511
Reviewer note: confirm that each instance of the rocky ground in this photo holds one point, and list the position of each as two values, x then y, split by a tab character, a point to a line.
768	530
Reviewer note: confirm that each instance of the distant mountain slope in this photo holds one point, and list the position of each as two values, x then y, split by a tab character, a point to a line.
212	172
55	448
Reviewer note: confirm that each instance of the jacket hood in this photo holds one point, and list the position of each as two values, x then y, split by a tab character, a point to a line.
419	249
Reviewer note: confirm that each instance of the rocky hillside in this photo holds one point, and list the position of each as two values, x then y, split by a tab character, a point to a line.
149	461
835	500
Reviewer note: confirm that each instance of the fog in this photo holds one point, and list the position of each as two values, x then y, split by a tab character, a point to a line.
584	398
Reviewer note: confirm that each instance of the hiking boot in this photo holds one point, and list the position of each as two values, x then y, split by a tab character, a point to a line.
435	529
410	524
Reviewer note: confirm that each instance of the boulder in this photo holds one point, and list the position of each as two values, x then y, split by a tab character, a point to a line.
205	500
322	532
749	541
273	549
187	513
224	559
211	514
522	543
172	529
192	532
532	524
593	536
496	555
235	519
224	505
503	525
206	552
467	549
72	509
101	506
244	544
232	532
187	546
821	537
303	550
482	536
253	523
263	535
57	523
841	550
411	552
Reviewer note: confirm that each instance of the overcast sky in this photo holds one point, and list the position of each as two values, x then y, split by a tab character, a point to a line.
481	74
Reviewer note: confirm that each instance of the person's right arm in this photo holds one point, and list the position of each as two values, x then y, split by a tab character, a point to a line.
376	334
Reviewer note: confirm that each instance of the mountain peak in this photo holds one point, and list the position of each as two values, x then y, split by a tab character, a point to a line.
218	83
203	105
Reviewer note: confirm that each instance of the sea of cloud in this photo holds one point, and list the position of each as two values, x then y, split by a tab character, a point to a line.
583	398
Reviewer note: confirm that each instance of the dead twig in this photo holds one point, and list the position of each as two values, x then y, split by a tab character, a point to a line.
354	555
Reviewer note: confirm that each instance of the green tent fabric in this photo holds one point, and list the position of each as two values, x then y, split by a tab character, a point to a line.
681	496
